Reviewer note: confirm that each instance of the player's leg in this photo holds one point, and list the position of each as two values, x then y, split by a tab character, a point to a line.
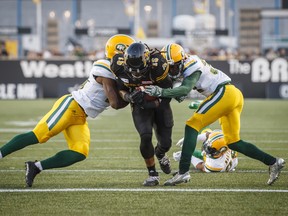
70	118
231	129
78	139
18	142
39	134
143	121
163	130
210	110
230	124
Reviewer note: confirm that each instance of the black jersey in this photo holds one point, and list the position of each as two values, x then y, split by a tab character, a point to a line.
157	73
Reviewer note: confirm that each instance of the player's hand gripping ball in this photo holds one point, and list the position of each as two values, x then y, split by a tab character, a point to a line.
146	96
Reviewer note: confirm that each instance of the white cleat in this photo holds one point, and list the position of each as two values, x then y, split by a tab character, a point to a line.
178	179
274	170
152	181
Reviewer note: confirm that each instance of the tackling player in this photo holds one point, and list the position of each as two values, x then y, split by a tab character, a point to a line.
140	66
69	113
223	101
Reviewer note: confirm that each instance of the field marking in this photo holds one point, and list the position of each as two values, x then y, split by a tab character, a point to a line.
140	190
128	171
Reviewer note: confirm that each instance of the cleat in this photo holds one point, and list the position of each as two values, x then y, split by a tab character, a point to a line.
165	164
31	171
274	170
178	179
152	181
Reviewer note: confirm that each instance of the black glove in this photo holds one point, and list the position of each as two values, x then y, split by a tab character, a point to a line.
137	97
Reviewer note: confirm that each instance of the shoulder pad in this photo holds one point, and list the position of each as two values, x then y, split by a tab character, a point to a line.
102	68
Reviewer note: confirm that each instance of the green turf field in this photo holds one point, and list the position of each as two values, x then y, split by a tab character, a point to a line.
109	181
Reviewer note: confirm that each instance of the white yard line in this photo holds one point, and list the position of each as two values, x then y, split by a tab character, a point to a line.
120	170
167	189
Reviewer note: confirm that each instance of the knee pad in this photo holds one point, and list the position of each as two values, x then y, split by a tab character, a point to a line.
146	146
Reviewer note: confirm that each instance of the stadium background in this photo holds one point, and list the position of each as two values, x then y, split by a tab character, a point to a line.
47	47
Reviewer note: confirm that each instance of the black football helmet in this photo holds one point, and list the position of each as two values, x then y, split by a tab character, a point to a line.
136	60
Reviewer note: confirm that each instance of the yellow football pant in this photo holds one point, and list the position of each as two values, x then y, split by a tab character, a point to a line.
226	104
68	117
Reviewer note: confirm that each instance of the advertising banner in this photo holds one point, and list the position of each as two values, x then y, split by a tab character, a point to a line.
31	79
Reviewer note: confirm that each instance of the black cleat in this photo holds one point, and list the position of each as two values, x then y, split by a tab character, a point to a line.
31	171
165	164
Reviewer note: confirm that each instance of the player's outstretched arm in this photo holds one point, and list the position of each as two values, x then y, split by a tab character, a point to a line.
112	93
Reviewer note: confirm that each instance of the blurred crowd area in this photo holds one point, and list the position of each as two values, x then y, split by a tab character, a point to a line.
77	52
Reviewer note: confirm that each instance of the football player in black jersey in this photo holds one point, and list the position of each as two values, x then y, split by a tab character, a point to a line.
138	67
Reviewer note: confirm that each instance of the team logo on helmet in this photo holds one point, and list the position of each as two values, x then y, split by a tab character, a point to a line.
120	47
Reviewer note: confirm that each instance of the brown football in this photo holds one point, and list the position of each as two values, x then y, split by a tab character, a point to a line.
146	96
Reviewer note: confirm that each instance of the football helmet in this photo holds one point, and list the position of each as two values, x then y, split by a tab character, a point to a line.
215	145
136	60
174	54
117	44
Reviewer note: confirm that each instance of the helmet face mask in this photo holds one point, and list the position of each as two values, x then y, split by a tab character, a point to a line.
174	54
215	145
136	60
175	69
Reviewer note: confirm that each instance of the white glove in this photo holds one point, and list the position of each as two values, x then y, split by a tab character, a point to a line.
177	155
153	90
180	143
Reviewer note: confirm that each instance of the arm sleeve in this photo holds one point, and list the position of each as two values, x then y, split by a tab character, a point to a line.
184	89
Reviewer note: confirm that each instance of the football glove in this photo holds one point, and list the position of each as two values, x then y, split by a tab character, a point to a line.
134	97
180	99
137	96
180	142
153	90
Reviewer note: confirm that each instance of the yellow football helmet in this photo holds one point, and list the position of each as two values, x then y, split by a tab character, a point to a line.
175	55
117	44
215	145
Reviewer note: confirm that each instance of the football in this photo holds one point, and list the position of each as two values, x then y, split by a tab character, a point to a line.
146	96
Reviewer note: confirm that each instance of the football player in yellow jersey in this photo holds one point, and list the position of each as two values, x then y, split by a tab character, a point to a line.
223	101
69	113
215	155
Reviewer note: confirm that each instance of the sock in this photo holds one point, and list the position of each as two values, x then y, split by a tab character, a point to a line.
189	144
18	142
62	159
38	164
252	151
152	171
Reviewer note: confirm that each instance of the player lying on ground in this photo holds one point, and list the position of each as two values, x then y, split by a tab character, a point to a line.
215	156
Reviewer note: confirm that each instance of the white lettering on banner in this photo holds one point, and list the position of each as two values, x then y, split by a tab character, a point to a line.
261	71
20	91
283	91
279	70
39	69
8	91
27	91
239	68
